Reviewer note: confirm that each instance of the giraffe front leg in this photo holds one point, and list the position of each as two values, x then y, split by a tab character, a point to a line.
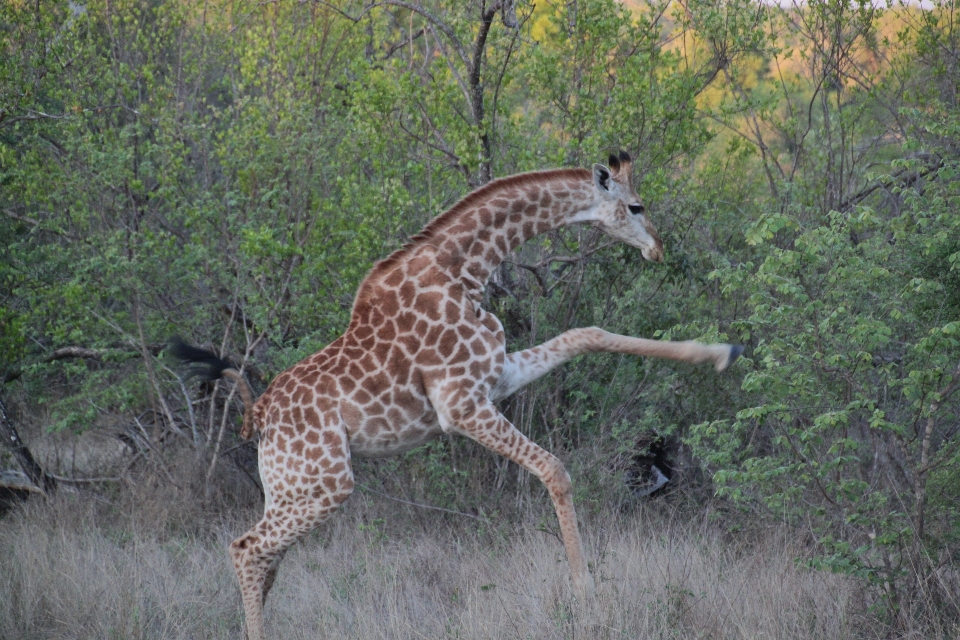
480	420
721	355
523	367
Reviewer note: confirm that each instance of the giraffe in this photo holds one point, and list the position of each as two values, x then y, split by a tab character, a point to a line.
421	357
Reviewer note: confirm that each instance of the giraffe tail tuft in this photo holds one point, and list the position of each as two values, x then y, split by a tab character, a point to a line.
208	366
203	364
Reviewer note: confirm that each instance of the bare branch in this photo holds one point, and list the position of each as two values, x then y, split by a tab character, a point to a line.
417	504
439	24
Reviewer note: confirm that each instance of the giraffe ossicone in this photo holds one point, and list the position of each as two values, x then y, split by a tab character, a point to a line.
421	357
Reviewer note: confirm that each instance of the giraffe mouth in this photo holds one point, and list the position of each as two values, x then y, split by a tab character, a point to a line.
653	254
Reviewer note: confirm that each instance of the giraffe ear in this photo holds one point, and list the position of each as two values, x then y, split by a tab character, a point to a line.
601	178
614	162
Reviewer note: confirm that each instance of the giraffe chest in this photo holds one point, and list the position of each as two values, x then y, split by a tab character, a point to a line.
390	410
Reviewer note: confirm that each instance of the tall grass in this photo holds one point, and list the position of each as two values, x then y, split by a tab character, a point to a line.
152	564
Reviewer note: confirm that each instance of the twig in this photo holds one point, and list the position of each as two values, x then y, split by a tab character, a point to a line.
189	402
422	506
509	617
158	458
83	480
245	443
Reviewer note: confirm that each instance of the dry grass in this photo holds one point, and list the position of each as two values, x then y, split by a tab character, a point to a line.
153	565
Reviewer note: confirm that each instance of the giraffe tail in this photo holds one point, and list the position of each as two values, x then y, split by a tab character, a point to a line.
207	366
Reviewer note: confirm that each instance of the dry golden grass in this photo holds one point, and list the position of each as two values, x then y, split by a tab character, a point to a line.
152	564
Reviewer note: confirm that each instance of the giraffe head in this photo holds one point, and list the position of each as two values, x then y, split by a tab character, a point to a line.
620	212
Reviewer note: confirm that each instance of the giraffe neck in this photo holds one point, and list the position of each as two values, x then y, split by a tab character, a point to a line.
477	233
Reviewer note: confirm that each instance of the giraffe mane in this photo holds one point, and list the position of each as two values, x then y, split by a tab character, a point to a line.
442	221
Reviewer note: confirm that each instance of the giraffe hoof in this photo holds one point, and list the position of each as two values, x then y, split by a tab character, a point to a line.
735	351
586	589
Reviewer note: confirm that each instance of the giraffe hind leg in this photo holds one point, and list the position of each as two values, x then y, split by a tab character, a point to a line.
257	554
251	559
271	576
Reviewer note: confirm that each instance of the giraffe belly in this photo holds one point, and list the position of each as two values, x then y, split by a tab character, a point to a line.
388	440
389	444
405	422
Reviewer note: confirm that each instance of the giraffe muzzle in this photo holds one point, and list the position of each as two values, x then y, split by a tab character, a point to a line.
654	254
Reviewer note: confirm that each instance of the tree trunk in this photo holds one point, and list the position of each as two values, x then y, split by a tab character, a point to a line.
30	467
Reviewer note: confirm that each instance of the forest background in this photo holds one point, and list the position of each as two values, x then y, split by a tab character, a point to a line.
228	170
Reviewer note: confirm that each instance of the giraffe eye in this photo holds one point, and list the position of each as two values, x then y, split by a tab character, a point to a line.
635	208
